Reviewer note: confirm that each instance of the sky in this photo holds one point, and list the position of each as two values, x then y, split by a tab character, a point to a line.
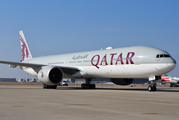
66	26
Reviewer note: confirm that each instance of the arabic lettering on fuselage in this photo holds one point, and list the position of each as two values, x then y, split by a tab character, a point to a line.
80	57
95	60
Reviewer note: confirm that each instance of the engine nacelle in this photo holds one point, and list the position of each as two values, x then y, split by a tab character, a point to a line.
122	81
50	75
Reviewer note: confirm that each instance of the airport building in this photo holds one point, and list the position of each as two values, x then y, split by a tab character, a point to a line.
7	79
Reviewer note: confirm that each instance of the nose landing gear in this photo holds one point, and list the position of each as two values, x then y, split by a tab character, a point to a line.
152	87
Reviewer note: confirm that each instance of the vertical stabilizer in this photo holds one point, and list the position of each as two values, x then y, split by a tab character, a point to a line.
26	54
165	77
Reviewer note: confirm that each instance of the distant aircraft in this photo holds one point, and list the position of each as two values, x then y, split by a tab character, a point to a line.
21	80
172	80
122	65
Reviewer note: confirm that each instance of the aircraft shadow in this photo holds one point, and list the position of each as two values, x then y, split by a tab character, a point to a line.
167	89
121	89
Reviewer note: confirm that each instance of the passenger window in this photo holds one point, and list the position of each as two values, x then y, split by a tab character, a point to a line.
157	56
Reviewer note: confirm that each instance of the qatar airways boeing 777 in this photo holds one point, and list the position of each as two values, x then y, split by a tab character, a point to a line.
121	65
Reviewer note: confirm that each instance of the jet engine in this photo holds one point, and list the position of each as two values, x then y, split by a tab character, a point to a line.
50	75
122	81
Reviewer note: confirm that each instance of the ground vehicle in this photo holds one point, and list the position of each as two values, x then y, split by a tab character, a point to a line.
63	83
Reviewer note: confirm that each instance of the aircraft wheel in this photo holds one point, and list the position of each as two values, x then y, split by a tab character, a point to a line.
93	86
55	87
44	86
88	86
49	86
154	88
150	88
82	86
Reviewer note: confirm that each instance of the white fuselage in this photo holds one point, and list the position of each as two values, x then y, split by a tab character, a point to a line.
129	62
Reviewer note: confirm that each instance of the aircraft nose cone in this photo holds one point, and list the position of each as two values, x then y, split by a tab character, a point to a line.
171	64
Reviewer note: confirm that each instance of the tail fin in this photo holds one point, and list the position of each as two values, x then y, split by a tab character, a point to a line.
165	77
26	54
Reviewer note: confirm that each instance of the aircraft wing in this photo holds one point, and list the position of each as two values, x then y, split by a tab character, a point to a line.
14	64
67	70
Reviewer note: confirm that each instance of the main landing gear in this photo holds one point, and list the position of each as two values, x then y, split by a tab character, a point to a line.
88	85
49	86
152	86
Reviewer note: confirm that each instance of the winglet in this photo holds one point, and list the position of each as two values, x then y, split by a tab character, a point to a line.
26	54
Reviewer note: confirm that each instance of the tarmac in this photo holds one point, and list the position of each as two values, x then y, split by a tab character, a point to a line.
31	102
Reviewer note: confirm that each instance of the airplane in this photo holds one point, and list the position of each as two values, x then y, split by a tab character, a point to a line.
121	65
172	80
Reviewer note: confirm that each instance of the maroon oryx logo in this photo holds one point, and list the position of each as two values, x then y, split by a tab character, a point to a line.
42	74
24	49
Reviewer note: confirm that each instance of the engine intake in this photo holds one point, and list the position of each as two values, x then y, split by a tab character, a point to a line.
122	81
55	75
50	75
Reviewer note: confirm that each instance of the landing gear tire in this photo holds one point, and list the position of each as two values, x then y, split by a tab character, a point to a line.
88	86
82	86
44	86
54	87
152	88
93	86
49	86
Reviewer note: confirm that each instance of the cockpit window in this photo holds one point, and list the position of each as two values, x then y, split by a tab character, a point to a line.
162	55
165	55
